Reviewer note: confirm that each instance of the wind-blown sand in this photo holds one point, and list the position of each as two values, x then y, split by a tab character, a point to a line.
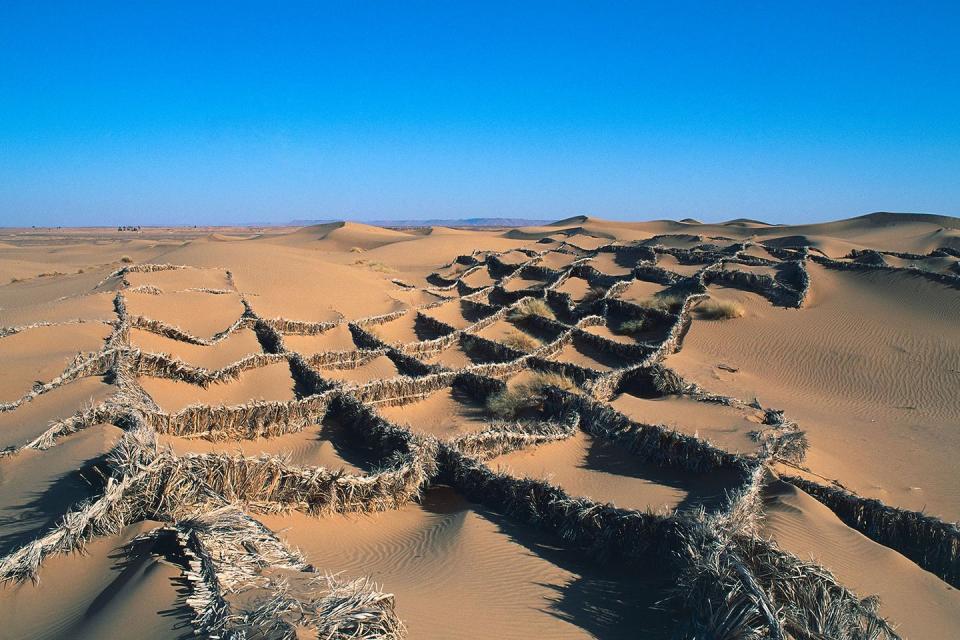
586	510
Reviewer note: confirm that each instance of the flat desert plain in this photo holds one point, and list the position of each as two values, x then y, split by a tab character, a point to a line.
585	429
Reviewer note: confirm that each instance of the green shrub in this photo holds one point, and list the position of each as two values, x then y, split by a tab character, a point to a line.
633	326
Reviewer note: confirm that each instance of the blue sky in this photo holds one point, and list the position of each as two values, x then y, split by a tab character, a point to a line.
207	112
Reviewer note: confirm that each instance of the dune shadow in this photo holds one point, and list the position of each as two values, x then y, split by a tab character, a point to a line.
40	514
135	561
606	600
707	490
348	446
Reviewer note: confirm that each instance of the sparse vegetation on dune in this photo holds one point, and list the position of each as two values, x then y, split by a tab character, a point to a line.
714	309
375	266
666	302
219	511
520	341
512	401
630	327
530	307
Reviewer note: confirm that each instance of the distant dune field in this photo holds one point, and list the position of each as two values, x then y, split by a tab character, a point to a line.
583	429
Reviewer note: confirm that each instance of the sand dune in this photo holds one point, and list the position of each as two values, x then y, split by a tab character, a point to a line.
272	382
342	236
921	605
42	354
586	466
626	452
868	368
30	419
232	348
443	557
117	593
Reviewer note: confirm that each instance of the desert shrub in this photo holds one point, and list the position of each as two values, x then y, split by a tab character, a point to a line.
520	341
50	274
669	303
126	259
510	402
633	326
713	309
375	266
356	249
531	307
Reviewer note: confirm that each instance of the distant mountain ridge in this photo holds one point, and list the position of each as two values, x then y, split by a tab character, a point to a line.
439	222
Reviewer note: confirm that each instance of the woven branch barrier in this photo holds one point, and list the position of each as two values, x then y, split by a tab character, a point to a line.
401	390
625	351
488	350
656	443
226	552
653	273
299	327
270	484
345	359
176	333
928	541
269	337
941	278
599	529
12	331
162	365
259	419
501	438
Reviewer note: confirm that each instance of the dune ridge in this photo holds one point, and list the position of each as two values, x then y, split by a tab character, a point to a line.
691	415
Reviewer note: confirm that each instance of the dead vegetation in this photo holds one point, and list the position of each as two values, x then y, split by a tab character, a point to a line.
374	265
516	339
513	401
730	582
714	309
530	307
666	302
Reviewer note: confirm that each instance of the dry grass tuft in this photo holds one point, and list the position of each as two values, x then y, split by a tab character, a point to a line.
530	307
669	303
375	266
356	249
509	403
713	309
520	341
126	259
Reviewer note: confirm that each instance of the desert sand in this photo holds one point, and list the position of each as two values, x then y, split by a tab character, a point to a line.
587	429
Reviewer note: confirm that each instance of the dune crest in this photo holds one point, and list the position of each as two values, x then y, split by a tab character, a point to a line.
589	428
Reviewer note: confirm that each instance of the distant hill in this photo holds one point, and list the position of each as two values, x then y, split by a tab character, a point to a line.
440	222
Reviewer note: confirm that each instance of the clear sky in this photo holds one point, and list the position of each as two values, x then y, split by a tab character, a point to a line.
216	112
